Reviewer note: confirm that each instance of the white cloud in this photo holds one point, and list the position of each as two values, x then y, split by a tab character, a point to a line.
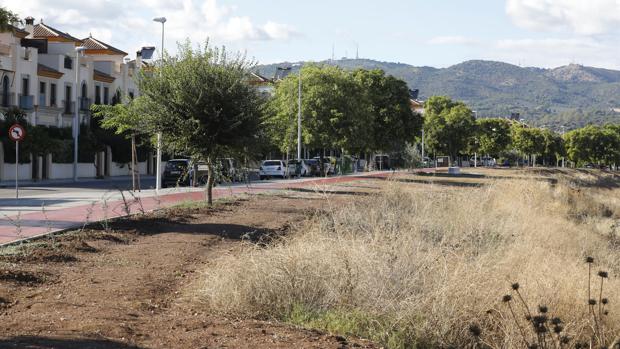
454	40
554	52
586	17
128	24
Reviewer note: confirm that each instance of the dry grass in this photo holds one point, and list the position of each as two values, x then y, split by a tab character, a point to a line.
415	268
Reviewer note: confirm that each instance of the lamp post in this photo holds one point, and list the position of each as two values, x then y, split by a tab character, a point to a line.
76	119
298	112
563	157
161	20
299	121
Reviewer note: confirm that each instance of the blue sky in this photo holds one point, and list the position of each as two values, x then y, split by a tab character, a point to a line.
543	33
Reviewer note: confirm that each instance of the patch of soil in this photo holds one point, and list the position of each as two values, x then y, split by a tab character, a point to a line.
20	277
136	287
4	303
59	253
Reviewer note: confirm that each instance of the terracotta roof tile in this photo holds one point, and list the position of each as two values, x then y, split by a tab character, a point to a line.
93	44
45	31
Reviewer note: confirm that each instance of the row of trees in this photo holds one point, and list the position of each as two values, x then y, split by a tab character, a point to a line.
355	112
451	129
203	106
200	101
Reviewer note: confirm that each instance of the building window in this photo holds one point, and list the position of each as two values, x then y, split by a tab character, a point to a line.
53	95
68	99
68	62
25	86
97	94
42	91
5	91
131	95
106	95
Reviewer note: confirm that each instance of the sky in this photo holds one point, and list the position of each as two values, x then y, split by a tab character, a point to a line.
439	33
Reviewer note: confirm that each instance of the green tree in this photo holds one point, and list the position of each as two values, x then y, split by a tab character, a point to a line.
553	146
202	103
493	136
594	144
528	140
129	119
335	112
8	20
394	124
449	126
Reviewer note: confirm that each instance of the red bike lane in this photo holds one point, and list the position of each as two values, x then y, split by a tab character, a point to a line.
30	225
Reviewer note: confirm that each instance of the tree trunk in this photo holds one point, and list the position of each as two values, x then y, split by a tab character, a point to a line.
133	163
210	181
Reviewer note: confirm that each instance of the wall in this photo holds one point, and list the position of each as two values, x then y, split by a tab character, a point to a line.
117	170
25	172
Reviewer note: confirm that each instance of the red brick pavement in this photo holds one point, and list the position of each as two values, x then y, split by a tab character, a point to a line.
40	223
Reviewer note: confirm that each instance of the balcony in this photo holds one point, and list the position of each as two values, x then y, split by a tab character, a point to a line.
84	104
69	107
26	102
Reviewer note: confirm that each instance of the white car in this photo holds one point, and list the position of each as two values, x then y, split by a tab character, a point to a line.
297	169
272	168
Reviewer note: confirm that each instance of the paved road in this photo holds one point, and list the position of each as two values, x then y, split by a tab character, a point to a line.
53	196
70	206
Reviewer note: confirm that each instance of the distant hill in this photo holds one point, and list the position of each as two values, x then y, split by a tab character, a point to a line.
571	95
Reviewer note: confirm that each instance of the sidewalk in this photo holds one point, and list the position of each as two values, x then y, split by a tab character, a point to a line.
24	226
46	182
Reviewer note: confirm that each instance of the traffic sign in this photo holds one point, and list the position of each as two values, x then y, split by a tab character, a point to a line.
17	132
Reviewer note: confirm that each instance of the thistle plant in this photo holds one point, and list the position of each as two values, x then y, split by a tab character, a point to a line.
544	331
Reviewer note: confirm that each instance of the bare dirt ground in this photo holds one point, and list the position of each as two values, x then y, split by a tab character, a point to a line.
133	285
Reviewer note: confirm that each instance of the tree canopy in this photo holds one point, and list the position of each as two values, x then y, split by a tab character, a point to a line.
358	111
449	126
594	144
335	111
493	136
202	103
394	124
8	20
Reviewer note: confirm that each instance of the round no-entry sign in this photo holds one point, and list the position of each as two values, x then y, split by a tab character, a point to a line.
17	132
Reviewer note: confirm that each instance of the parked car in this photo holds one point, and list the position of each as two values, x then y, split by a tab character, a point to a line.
176	173
272	168
313	166
299	168
328	167
483	161
427	162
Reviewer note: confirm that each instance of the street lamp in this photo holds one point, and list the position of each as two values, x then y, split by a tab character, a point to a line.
299	116
161	20
76	119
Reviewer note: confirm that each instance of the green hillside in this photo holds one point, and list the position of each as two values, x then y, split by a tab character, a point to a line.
572	95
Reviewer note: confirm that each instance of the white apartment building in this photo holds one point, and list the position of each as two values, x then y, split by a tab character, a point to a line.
38	74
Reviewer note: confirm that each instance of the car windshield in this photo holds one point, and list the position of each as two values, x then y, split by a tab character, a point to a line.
293	162
312	162
176	165
271	163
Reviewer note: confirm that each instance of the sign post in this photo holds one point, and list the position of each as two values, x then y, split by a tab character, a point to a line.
17	133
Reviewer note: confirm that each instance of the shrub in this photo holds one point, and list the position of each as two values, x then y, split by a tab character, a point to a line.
414	268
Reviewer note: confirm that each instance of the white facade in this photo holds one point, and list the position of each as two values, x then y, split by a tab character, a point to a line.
38	68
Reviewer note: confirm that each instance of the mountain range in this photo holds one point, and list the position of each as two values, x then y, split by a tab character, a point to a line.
570	96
